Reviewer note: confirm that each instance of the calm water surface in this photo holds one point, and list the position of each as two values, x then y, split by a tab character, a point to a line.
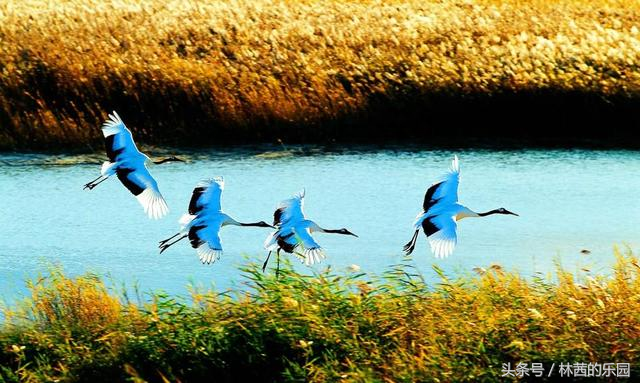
567	200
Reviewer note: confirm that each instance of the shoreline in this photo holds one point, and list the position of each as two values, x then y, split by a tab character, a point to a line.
95	154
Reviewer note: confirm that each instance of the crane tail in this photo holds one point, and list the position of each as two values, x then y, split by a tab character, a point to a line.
108	168
271	242
186	219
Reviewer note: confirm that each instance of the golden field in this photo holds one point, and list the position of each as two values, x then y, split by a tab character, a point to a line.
325	327
256	70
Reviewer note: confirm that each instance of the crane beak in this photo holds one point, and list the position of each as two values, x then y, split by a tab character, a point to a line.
350	233
517	215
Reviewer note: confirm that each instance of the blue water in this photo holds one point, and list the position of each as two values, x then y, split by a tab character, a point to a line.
567	200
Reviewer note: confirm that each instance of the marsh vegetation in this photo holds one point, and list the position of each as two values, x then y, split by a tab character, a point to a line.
323	327
255	71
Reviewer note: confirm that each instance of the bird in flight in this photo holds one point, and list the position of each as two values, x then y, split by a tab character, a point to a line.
441	212
294	230
204	220
130	166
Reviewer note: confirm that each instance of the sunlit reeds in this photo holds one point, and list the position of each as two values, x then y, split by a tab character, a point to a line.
325	327
250	68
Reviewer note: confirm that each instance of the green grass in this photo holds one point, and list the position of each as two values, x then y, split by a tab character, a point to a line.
324	327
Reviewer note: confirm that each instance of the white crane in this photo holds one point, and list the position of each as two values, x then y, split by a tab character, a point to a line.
440	214
204	220
294	230
130	166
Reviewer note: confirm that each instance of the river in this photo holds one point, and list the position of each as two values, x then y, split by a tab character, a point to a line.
568	201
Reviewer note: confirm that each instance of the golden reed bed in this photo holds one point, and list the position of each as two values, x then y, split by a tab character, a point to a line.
245	68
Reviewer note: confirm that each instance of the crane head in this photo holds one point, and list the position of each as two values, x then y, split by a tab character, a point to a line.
505	211
345	232
264	224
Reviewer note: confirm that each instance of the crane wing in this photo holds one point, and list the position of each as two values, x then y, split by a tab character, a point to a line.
446	189
312	252
142	185
206	240
206	196
118	140
441	233
289	210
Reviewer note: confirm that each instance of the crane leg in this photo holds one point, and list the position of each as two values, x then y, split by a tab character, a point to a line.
264	265
408	248
277	263
93	183
168	239
167	245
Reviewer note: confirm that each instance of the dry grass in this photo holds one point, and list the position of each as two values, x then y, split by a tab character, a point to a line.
326	327
249	68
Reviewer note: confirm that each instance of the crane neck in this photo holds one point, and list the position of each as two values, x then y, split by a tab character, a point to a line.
494	211
228	221
337	231
465	212
312	226
168	159
255	224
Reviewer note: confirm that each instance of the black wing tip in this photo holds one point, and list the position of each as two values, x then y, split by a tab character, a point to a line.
428	196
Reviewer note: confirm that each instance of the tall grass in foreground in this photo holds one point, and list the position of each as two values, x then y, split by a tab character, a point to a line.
252	70
324	327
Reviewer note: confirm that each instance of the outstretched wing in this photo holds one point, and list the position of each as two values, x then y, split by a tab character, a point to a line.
206	196
118	140
140	183
312	251
446	189
289	210
206	240
441	233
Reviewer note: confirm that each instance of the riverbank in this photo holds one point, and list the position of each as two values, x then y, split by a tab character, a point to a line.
325	327
196	73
